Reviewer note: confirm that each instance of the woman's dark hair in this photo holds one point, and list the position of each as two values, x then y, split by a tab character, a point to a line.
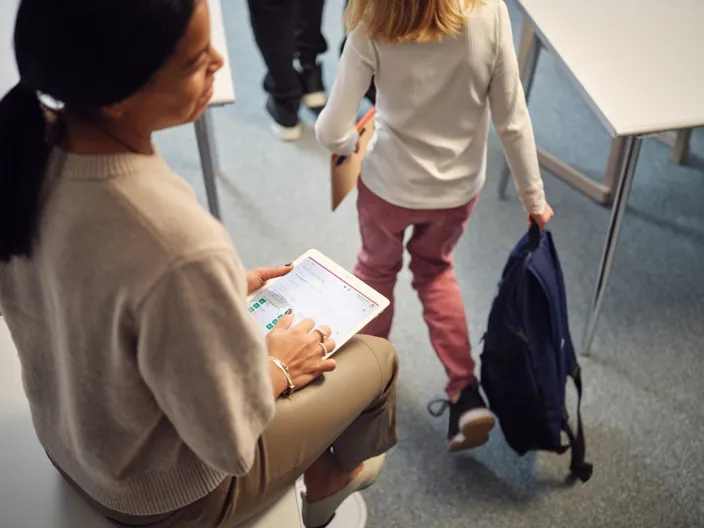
86	54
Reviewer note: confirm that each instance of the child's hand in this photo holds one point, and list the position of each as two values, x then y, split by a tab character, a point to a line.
543	218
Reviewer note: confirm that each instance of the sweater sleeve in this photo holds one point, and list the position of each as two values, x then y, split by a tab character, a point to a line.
336	128
205	361
511	119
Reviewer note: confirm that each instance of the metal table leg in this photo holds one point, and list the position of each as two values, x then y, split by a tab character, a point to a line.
680	151
678	141
208	160
623	189
528	53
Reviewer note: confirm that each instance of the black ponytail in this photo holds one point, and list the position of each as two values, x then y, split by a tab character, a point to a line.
24	154
85	55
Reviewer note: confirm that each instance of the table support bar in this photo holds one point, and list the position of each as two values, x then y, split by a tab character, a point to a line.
631	147
208	160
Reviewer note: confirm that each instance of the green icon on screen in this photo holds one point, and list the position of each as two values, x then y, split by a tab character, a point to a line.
251	309
269	327
262	301
256	305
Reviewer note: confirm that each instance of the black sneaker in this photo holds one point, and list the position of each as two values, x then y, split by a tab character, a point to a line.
284	114
470	420
314	96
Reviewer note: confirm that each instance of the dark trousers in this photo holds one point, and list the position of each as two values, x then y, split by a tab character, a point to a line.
285	30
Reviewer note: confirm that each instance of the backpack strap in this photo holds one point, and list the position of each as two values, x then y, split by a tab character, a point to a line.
579	467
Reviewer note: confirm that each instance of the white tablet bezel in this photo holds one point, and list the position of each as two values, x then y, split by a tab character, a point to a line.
381	301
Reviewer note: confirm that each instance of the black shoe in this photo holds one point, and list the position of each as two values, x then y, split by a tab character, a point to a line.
314	96
470	420
284	114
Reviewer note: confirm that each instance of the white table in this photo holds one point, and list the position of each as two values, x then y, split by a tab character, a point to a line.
224	91
643	25
638	64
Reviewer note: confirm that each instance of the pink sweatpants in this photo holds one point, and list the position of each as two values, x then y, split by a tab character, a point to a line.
435	235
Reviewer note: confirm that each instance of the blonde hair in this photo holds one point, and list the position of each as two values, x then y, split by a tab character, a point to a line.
408	20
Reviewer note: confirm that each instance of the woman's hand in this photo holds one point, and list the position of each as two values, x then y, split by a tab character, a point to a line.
300	348
543	218
257	279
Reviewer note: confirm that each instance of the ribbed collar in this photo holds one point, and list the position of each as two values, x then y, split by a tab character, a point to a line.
79	167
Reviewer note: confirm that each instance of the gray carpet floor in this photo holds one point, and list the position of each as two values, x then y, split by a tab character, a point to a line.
644	389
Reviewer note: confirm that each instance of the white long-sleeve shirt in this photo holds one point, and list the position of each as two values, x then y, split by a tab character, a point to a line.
432	113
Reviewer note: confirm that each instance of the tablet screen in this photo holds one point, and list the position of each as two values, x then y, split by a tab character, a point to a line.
313	292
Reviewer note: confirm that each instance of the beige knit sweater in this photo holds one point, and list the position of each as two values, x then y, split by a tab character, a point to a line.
146	376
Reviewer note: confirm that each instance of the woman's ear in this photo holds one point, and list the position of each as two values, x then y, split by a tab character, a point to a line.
119	109
115	111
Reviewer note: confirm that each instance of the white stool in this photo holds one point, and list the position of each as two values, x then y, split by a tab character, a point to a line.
33	494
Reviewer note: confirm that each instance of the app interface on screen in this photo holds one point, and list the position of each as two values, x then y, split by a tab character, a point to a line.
313	292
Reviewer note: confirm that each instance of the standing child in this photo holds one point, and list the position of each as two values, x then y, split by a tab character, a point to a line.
439	67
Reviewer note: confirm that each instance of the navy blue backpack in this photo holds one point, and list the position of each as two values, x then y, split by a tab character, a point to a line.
528	354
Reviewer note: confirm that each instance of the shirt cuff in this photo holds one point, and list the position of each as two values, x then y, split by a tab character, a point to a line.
534	203
349	146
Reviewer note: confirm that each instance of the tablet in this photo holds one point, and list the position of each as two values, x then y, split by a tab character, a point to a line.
321	290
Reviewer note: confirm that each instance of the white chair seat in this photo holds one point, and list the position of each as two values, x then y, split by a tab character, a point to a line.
284	514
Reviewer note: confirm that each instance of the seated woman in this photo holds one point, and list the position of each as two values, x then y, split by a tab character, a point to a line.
150	387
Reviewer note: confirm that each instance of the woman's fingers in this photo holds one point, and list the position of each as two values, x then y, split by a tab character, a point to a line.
324	331
317	348
327	365
319	334
266	274
329	345
284	323
321	348
305	326
315	333
316	366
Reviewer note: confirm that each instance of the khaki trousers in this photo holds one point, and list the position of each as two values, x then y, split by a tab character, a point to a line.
352	409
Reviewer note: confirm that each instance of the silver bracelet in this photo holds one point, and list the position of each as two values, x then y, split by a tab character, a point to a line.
291	387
